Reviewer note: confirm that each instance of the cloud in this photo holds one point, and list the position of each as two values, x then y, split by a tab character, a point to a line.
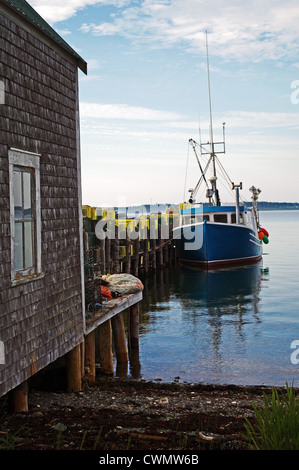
64	32
121	127
124	112
54	11
241	119
257	31
262	120
104	29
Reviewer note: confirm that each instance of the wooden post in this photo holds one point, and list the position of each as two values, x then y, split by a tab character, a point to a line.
105	348
90	365
103	256
107	254
134	327
82	351
145	252
160	247
166	253
74	373
154	253
116	252
153	236
19	398
136	256
128	254
119	338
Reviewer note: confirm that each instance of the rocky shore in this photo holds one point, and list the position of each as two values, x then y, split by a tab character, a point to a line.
131	415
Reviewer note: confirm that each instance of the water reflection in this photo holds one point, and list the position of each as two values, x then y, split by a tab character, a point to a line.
195	323
232	326
225	292
222	292
220	287
231	293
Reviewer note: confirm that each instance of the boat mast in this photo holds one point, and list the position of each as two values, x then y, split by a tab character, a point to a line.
210	104
212	179
211	192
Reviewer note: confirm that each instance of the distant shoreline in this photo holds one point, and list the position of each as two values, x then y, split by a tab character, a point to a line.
261	209
270	206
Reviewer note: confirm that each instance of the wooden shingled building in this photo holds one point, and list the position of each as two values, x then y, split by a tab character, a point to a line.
41	247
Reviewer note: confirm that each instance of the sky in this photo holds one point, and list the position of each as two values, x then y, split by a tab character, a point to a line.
146	94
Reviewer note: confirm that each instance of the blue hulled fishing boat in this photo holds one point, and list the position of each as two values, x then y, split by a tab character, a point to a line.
216	236
213	234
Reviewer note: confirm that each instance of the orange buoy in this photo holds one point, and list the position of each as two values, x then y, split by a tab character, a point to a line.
106	292
261	235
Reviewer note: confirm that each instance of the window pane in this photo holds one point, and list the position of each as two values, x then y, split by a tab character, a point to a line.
220	218
28	245
25	215
27	195
18	246
17	192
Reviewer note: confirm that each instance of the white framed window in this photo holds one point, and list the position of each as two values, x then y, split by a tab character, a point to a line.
25	218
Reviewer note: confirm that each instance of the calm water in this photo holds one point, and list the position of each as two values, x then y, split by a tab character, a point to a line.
234	326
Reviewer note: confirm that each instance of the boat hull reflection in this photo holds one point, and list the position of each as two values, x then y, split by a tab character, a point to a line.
223	286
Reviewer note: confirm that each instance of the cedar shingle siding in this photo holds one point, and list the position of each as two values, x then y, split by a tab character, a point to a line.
42	319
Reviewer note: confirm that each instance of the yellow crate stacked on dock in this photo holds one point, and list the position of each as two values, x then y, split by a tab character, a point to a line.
185	205
86	211
94	213
122	251
90	212
109	214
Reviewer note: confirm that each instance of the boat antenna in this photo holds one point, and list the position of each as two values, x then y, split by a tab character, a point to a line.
186	173
255	195
212	152
210	100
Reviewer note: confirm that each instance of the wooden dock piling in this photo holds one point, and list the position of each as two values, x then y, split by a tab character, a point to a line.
119	338
90	366
133	327
19	398
74	369
113	329
105	348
